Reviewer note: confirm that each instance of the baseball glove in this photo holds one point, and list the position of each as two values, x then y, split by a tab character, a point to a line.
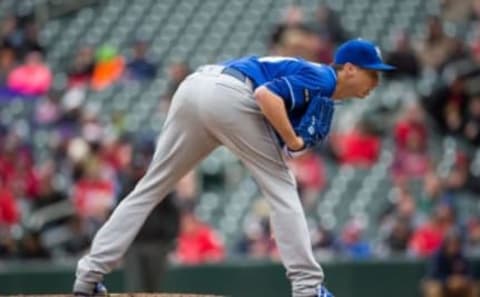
314	125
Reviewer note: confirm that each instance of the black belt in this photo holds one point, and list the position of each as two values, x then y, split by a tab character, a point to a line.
236	74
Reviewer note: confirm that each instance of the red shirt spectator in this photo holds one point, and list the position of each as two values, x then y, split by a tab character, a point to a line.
405	130
198	243
7	166
9	214
116	154
93	196
357	147
16	167
411	129
426	240
411	158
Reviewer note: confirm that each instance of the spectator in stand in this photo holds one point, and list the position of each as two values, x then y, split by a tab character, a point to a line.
292	37
324	242
328	24
436	48
7	64
187	188
198	242
93	196
9	209
397	223
293	15
357	147
461	178
474	48
471	129
403	57
257	242
300	41
81	70
140	67
411	159
460	53
324	50
92	129
30	41
433	193
447	105
30	247
9	150
352	243
177	72
109	67
399	236
11	33
117	153
21	35
17	167
48	110
472	247
309	172
411	125
428	238
79	239
25	180
474	10
8	245
33	78
449	272
456	10
47	193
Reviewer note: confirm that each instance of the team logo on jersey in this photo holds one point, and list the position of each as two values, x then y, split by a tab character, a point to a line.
306	93
311	128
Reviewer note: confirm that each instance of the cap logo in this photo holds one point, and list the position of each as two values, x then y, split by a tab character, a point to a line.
379	52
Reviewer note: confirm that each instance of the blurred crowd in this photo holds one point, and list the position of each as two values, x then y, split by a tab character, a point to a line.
93	163
51	206
413	223
422	211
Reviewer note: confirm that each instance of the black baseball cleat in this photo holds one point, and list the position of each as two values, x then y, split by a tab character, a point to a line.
99	290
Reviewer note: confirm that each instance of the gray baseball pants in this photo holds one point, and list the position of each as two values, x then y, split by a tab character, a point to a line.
211	109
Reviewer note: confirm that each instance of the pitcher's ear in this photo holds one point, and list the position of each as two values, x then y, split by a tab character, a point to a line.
349	68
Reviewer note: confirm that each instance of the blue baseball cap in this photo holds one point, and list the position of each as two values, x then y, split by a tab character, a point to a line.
362	53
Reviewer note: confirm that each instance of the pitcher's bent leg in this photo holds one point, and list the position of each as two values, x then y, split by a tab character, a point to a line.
243	129
289	225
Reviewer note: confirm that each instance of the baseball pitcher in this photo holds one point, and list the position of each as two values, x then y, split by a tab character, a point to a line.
264	109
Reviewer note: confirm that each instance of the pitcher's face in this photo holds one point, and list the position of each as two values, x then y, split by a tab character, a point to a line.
360	81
